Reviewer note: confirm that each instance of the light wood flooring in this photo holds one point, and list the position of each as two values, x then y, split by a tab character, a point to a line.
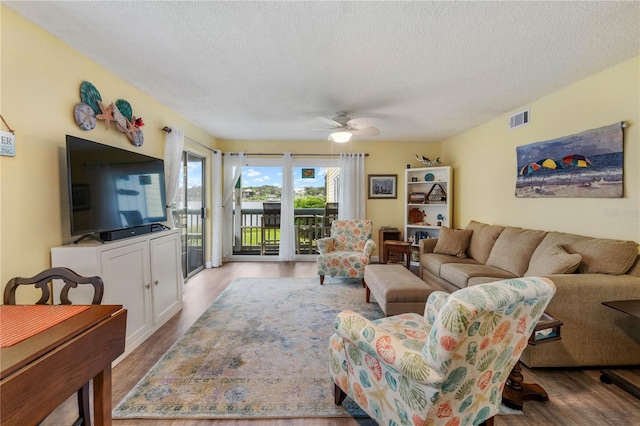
576	397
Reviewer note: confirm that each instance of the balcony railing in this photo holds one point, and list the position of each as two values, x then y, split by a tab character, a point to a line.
310	224
252	238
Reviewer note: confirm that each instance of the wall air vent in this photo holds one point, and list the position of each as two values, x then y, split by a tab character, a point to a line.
519	119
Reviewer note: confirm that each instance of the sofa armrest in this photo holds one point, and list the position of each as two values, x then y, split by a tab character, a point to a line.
592	334
384	347
427	245
326	245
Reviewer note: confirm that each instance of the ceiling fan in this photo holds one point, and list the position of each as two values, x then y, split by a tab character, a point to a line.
343	127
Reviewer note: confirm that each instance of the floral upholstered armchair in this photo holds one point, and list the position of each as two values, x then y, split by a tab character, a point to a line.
347	251
448	367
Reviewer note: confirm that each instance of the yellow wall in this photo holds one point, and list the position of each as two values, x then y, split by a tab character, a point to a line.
40	80
484	160
384	158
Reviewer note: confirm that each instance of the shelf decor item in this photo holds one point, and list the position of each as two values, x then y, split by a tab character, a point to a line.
437	194
417	198
416	216
429	177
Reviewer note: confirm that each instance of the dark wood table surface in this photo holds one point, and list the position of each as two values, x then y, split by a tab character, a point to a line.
42	371
629	307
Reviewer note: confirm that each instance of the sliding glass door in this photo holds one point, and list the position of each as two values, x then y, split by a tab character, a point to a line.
190	213
259	205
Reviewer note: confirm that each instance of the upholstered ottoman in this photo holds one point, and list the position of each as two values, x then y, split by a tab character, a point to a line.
396	289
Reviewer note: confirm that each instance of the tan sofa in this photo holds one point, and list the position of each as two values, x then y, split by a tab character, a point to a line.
586	271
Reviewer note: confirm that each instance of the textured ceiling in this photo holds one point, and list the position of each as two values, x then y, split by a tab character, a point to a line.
266	70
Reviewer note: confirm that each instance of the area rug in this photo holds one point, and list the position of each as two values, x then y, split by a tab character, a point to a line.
260	350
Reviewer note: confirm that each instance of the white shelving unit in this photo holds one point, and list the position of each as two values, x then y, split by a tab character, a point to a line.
428	204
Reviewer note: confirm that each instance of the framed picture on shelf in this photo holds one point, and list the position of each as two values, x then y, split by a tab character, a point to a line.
383	186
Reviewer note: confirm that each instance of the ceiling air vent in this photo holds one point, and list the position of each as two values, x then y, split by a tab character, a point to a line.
519	119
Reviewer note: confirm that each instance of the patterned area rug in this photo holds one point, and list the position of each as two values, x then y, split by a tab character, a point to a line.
260	350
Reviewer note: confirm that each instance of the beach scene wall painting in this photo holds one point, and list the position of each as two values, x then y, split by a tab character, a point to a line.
583	165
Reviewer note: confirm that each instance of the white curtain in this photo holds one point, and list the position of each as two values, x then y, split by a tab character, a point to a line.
232	171
218	211
287	229
353	187
173	146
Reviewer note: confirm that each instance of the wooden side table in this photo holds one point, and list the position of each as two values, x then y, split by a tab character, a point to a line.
400	247
608	376
515	392
384	234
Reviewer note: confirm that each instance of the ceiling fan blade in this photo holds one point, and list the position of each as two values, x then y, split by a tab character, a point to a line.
361	122
367	131
330	122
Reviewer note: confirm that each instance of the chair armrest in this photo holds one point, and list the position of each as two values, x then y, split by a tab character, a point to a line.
384	347
369	247
326	245
435	302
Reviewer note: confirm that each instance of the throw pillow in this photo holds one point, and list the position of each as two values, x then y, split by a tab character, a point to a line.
453	242
482	241
554	260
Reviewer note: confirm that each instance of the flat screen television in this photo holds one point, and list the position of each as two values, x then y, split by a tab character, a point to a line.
113	189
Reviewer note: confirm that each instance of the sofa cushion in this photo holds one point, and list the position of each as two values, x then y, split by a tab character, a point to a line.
453	241
482	240
432	261
553	260
599	255
459	274
513	249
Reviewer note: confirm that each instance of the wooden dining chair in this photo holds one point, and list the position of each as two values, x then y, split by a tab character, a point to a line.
71	280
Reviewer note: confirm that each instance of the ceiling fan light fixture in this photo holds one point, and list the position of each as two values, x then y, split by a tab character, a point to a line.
340	136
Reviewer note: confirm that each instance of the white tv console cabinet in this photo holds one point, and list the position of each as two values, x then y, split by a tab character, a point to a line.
141	273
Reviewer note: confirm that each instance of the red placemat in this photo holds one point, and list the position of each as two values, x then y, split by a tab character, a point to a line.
19	322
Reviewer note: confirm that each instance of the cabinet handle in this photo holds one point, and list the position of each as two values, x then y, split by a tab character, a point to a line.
148	286
156	282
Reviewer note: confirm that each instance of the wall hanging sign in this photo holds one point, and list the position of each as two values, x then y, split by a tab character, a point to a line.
8	144
583	165
91	108
7	141
308	173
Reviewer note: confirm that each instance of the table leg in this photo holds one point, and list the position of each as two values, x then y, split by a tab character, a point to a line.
515	392
609	376
102	404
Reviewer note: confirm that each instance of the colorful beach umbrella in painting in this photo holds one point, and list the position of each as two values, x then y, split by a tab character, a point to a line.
577	160
549	163
529	168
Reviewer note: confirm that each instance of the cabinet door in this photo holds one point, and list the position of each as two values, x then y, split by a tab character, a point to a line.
125	272
166	277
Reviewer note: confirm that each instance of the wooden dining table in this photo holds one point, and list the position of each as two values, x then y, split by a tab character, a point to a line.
48	352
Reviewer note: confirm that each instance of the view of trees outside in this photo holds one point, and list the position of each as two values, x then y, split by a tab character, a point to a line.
260	184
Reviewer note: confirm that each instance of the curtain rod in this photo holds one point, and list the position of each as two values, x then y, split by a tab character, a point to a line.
281	153
168	130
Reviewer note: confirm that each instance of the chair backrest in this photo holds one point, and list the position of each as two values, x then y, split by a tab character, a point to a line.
479	333
41	281
271	215
351	235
